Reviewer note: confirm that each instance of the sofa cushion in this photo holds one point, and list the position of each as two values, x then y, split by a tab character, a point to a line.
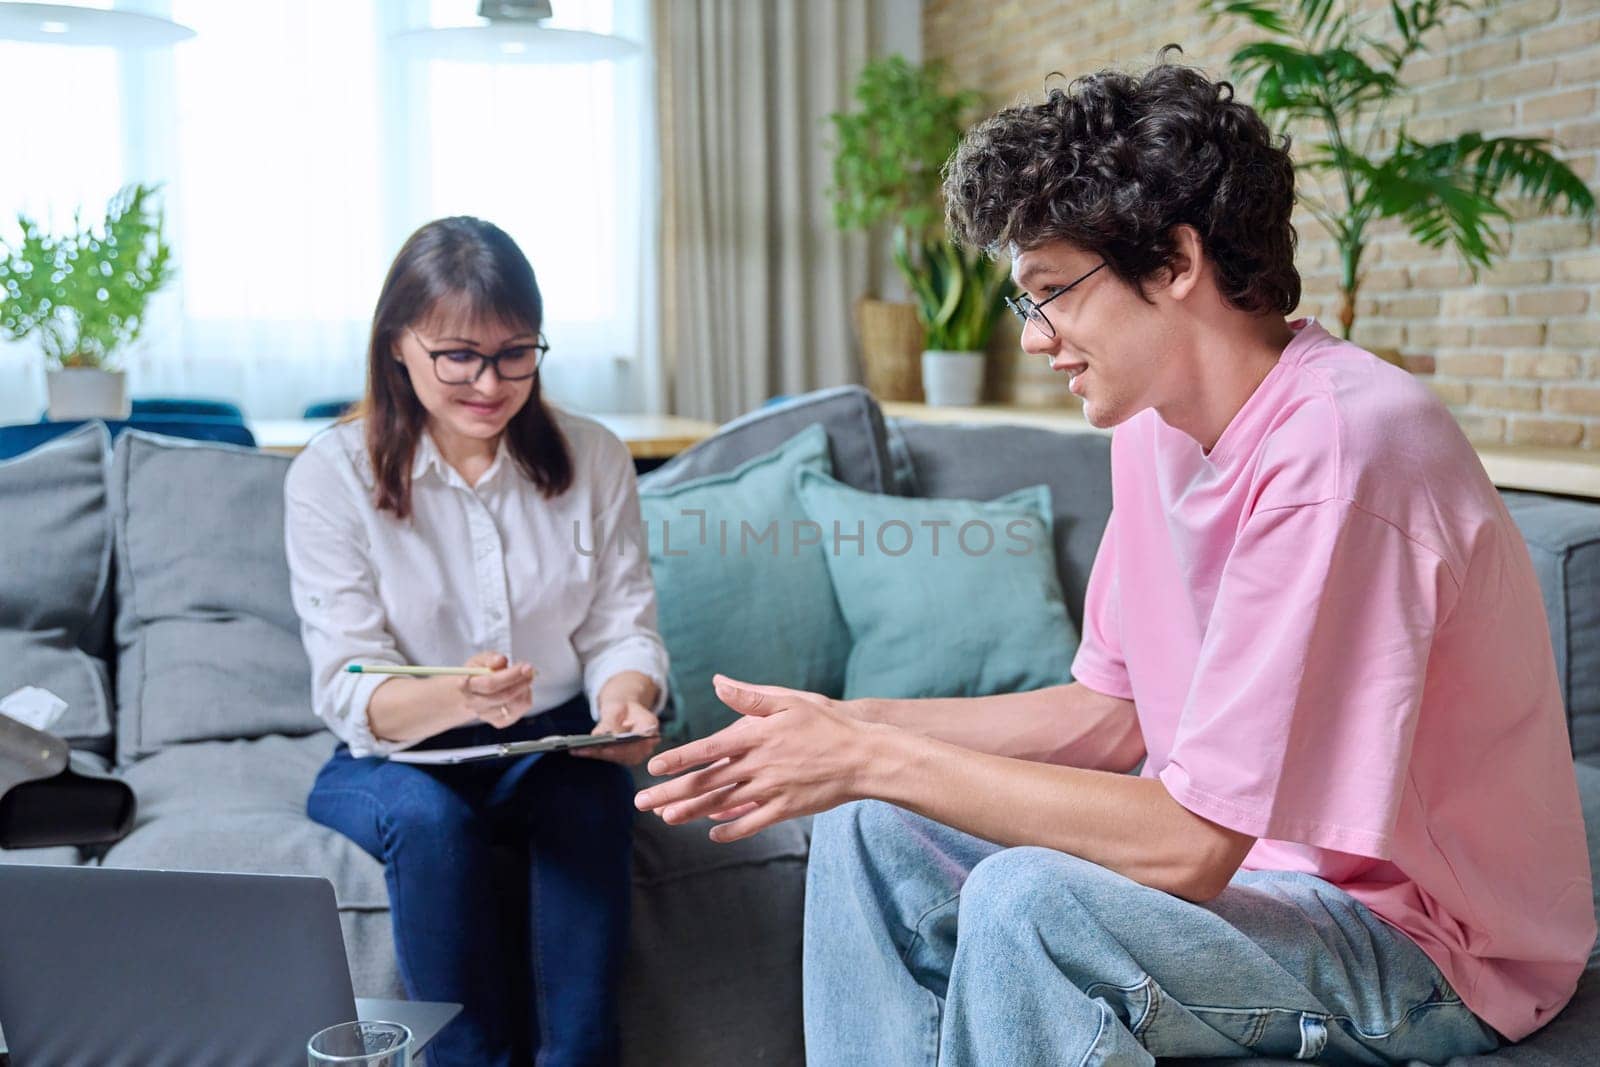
241	806
983	462
726	552
1563	539
55	577
943	597
208	641
849	415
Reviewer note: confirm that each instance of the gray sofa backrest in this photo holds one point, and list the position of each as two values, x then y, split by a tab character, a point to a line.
984	462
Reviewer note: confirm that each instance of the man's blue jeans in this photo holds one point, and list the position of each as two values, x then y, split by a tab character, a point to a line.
925	945
445	835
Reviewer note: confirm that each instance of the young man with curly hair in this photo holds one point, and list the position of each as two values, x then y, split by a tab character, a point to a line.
1355	836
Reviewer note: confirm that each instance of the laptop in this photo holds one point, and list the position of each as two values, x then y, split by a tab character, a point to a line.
112	966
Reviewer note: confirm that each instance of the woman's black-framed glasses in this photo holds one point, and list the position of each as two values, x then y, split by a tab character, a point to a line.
463	366
1023	307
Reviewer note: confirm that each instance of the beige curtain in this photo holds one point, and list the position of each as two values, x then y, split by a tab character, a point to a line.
757	285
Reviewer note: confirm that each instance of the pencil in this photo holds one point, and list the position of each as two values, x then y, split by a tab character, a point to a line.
423	672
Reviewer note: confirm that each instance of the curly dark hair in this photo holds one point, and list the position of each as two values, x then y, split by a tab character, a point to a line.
1114	161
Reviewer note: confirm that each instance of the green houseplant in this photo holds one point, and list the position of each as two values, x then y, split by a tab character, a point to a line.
85	293
1322	71
889	153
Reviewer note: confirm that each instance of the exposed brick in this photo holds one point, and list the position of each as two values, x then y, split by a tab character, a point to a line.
1386	280
1431	336
1541	365
1551	302
1516	272
1576	333
1579	135
1558	105
1502	397
1572	399
1551	433
1508	335
1418	364
1441	276
1579	268
1513	17
1375	335
1471	365
1581	68
1564	37
1519	80
1482	429
1414	305
1425	69
1551	235
1453	393
1449	94
1485	56
1473	304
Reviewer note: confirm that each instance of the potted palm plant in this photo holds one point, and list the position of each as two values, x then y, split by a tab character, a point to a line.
889	153
1322	69
84	293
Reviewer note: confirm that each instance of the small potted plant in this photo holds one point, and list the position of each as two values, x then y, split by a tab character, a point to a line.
84	292
889	154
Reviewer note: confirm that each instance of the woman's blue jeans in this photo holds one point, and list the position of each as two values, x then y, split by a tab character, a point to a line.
925	945
509	887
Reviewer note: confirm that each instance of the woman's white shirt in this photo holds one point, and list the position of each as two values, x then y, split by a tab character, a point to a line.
561	583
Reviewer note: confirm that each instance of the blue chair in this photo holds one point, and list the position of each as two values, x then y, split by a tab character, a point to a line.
15	440
166	406
328	409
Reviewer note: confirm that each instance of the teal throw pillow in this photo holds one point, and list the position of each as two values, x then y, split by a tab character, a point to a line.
943	597
741	584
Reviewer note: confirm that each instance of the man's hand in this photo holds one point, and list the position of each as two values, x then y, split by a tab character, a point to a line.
793	753
622	717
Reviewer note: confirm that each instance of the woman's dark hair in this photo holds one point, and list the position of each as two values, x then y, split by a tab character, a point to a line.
478	270
1113	162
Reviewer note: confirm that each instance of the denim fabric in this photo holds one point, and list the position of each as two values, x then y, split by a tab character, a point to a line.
470	927
925	945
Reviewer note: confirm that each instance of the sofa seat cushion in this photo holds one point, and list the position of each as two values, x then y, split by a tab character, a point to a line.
241	806
208	641
713	926
55	577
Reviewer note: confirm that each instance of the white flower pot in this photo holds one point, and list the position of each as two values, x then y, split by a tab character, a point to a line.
952	379
85	393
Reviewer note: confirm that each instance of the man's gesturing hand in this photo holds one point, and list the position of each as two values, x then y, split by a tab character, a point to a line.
792	753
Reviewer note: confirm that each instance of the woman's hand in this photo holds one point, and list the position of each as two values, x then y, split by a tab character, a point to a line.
623	717
498	699
794	753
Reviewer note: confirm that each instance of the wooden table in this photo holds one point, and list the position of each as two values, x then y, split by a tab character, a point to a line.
650	437
1568	471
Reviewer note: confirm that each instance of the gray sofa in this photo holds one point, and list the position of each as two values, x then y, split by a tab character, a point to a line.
146	583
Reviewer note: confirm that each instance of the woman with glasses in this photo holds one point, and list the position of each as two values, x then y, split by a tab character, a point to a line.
456	518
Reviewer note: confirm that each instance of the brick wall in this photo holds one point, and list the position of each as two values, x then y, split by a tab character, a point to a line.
1516	355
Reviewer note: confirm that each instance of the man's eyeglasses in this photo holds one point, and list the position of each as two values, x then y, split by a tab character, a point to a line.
1023	307
462	366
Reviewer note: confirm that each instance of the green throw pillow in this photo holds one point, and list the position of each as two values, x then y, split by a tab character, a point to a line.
943	597
741	584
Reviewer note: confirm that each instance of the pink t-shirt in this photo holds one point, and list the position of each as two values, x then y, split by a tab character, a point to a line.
1335	640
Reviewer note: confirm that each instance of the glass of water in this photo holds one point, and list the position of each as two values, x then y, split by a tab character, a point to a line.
367	1044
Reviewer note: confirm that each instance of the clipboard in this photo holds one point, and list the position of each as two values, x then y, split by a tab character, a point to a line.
553	743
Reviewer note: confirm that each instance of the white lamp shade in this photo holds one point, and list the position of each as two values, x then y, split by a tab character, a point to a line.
506	42
67	24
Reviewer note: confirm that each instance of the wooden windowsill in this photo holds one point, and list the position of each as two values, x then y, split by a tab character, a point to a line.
1568	471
